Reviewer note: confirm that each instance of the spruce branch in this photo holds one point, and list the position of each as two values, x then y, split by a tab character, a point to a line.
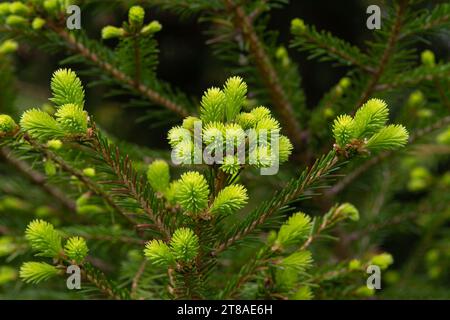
142	89
267	71
38	179
309	180
355	173
325	45
91	185
387	53
132	181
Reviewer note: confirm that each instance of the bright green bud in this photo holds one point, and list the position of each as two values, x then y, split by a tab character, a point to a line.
35	272
230	164
54	144
110	32
389	138
432	256
427	58
268	123
192	192
136	16
304	293
19	8
234	134
7	246
328	113
416	99
16	21
171	191
44	238
260	113
285	148
89	209
152	27
76	249
383	260
4	8
38	23
354	265
347	210
158	175
213	133
419	179
282	55
89	172
298	26
343	130
7	124
158	253
444	137
365	291
7	274
300	261
51	6
49	168
178	134
262	156
212	105
235	91
370	118
72	118
294	230
184	244
345	83
8	46
246	120
40	125
189	122
67	88
230	199
183	153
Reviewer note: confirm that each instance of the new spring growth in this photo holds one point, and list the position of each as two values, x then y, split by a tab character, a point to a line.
7	125
191	192
135	25
367	131
8	46
70	119
298	26
228	137
47	242
182	248
383	260
427	58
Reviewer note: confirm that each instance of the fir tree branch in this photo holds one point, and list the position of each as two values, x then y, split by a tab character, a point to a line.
388	51
350	177
267	71
80	176
415	76
38	179
137	278
98	279
142	89
325	44
309	179
128	176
